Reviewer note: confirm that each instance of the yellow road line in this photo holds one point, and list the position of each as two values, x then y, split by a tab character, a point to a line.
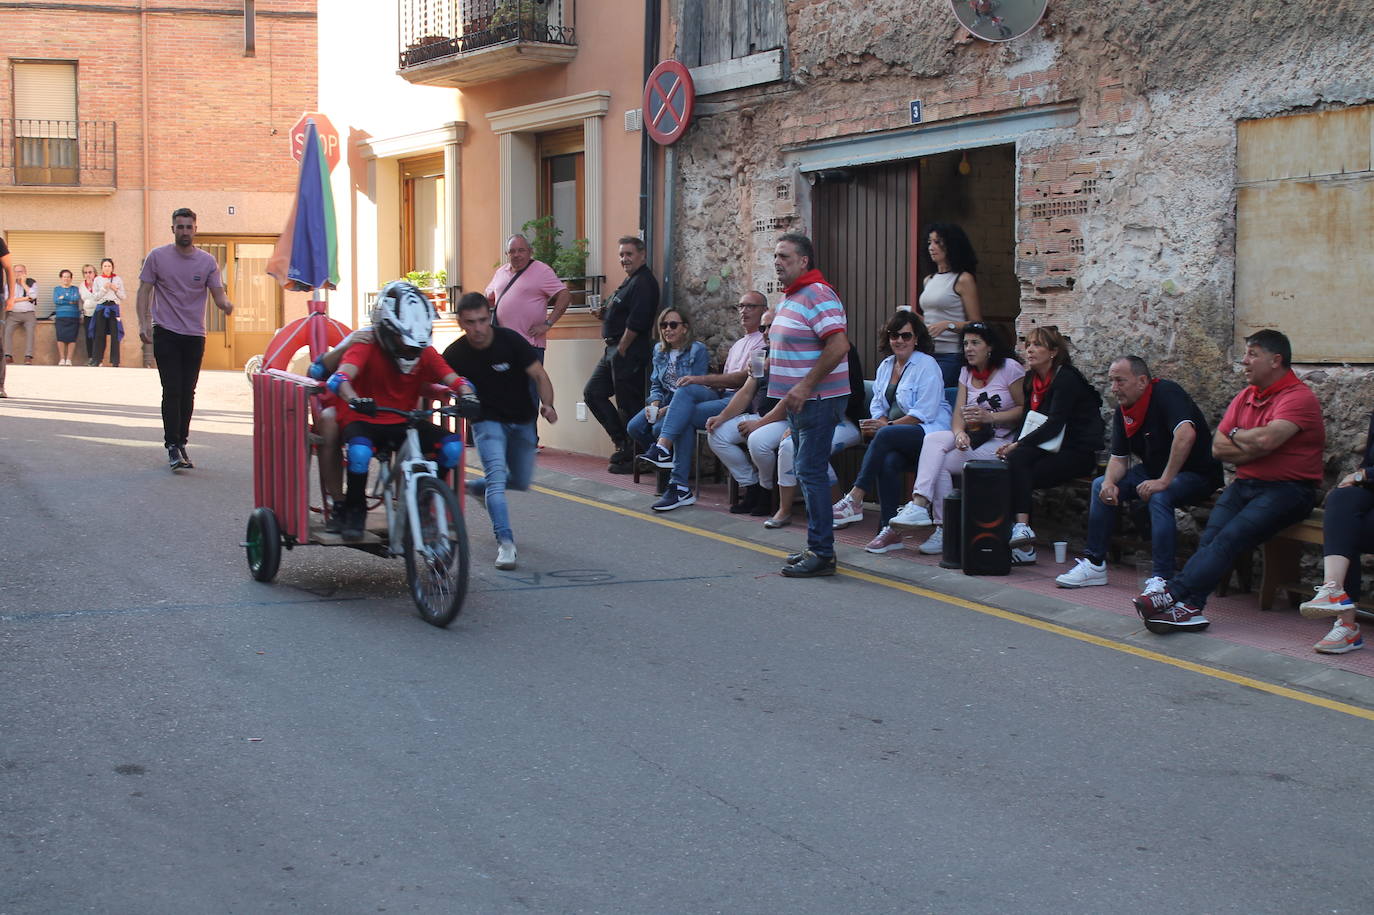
1216	673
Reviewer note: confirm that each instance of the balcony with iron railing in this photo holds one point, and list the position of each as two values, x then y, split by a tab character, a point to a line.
49	153
462	43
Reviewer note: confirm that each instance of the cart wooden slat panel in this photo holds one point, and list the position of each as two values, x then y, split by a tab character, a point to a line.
281	452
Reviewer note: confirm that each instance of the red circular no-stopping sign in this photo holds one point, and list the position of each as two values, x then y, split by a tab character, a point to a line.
669	97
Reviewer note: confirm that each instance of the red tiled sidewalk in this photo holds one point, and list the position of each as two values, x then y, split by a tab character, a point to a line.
1236	619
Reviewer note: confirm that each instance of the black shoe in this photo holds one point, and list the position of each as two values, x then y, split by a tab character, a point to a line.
185	461
620	467
333	522
354	522
810	565
623	454
174	459
752	496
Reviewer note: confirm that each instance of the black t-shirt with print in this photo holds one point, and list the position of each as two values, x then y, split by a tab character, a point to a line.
499	373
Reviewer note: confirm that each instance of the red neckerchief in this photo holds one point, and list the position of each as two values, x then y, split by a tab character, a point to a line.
806	279
90	284
1133	417
1039	387
1258	397
980	375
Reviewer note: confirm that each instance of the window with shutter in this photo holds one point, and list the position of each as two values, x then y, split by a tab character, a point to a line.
45	122
1304	216
732	43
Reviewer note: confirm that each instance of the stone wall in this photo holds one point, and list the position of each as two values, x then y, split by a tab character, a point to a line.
1124	223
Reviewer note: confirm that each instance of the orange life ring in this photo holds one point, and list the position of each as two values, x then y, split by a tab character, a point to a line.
287	341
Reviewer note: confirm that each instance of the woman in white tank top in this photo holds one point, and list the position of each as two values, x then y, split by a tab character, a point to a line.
949	297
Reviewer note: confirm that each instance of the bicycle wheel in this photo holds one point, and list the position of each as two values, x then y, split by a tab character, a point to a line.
263	544
437	564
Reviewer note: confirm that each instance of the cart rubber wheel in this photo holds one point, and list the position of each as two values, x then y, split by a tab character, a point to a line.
437	565
263	544
252	367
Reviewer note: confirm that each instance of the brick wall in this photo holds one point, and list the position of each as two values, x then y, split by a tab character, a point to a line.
216	119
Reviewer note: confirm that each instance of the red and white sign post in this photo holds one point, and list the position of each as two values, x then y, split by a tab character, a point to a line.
329	137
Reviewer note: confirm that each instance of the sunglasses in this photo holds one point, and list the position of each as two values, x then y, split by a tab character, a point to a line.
975	326
901	335
671	325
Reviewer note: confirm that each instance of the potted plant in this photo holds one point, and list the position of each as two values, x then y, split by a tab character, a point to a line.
433	283
529	17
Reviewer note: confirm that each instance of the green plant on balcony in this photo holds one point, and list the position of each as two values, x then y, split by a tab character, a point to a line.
532	17
566	260
427	279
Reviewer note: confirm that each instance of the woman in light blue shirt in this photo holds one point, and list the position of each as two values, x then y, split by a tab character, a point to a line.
908	401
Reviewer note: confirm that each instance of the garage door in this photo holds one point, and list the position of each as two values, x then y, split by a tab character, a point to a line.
48	253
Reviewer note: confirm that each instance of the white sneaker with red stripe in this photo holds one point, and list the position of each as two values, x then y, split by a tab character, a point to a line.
1330	600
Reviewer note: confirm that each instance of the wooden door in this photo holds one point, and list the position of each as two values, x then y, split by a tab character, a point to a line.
230	341
867	244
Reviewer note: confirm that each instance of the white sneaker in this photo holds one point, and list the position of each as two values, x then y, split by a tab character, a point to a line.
505	555
1023	557
1084	574
935	543
1154	585
910	516
1021	535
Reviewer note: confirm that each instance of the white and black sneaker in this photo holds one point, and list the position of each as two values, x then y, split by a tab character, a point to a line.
675	497
175	462
185	460
1023	556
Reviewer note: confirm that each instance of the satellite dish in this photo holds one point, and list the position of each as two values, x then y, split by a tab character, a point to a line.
998	20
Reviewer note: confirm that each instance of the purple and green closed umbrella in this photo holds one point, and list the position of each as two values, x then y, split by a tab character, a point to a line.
306	256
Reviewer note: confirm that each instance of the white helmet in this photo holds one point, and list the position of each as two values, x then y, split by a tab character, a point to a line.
403	321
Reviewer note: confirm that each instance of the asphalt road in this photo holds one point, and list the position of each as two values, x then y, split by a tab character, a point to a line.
639	719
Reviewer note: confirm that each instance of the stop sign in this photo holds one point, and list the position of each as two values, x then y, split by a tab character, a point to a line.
329	137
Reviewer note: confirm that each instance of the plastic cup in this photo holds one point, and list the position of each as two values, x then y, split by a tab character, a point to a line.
653	413
1061	551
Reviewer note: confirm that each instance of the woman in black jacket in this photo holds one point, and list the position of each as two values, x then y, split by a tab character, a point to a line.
1060	394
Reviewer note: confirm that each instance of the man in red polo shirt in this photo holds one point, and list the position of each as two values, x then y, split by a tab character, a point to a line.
1272	432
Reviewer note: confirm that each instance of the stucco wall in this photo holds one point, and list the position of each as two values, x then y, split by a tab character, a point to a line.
1124	221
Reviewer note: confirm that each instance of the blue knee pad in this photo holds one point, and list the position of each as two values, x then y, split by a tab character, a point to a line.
450	451
360	453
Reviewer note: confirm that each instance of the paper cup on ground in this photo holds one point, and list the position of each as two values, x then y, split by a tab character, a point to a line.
1061	551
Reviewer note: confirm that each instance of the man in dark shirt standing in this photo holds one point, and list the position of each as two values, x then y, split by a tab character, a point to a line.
500	364
1159	424
627	321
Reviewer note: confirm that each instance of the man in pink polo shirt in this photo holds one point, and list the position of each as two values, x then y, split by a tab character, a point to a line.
1273	433
523	291
172	289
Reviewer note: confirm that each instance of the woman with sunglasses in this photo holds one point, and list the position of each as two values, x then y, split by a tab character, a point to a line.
986	410
675	355
949	296
908	403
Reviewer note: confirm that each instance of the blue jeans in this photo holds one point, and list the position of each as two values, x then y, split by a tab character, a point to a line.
1248	513
687	412
507	451
1187	489
950	364
813	427
893	452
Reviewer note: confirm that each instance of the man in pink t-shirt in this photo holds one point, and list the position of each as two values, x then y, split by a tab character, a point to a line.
171	316
1274	435
524	290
